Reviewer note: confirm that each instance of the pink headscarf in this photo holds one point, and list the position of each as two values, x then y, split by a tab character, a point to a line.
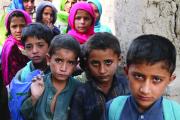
81	37
9	44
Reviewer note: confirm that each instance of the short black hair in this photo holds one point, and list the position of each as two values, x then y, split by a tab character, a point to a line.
13	14
64	42
102	41
37	30
151	49
99	41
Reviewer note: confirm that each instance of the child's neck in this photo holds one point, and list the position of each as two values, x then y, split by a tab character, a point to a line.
59	85
41	66
105	86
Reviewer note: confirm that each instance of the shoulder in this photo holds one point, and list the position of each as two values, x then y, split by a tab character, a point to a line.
115	107
171	109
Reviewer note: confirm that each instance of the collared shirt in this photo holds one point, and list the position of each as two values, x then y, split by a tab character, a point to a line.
131	112
41	111
89	101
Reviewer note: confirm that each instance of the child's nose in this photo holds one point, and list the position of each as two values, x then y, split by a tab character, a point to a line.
145	88
102	69
63	66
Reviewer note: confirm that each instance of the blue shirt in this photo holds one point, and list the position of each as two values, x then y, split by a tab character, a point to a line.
131	112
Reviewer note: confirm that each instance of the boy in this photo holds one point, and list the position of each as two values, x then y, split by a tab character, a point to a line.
36	39
50	96
151	61
101	59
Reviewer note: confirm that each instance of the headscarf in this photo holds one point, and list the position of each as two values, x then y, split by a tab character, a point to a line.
40	9
98	26
10	43
63	15
16	4
81	37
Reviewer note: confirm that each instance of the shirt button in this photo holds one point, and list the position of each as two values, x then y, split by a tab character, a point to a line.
142	116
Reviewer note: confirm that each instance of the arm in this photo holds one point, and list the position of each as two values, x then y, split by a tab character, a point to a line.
29	105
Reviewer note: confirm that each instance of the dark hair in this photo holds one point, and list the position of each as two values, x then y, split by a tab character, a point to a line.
99	41
40	9
151	49
13	14
37	30
102	41
64	42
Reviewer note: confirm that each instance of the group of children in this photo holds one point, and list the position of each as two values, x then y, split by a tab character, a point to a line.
38	65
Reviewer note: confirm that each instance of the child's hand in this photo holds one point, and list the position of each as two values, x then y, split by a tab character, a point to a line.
37	88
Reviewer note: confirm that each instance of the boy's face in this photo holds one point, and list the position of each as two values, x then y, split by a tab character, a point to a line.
147	82
62	64
47	15
83	21
102	64
16	26
36	49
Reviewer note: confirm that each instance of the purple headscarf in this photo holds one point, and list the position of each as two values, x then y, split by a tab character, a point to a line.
10	44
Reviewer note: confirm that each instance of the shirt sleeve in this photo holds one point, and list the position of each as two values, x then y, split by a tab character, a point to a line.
27	109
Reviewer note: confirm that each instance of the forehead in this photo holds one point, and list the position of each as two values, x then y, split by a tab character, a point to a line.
158	68
17	20
47	9
34	40
65	54
82	13
100	54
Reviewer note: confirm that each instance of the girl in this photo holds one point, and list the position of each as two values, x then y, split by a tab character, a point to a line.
96	5
81	20
50	96
12	56
46	14
62	16
27	5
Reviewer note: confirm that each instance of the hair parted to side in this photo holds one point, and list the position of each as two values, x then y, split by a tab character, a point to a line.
37	30
151	49
64	42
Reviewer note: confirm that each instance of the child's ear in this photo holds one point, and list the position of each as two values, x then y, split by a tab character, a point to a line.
48	59
120	59
172	78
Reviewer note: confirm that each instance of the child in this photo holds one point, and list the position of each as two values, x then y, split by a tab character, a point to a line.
50	99
46	14
36	38
151	61
13	58
27	5
102	56
96	5
81	20
62	15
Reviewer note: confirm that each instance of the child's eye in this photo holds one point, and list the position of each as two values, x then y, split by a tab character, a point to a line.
28	46
72	62
138	76
77	17
94	63
157	79
108	62
40	45
57	60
